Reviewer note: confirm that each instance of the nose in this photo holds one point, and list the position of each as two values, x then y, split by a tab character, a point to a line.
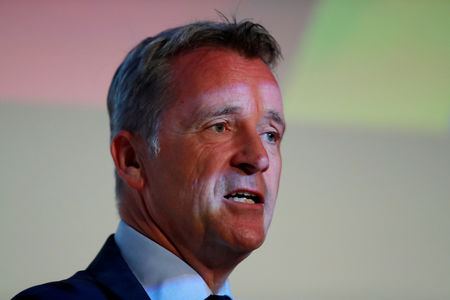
251	156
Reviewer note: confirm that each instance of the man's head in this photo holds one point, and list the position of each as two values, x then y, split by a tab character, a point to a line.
141	88
196	123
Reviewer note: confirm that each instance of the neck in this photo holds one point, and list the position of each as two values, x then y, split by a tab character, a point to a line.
212	260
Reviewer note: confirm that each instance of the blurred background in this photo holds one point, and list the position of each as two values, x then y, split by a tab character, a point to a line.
364	204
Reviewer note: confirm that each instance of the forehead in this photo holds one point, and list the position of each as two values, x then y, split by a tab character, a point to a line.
223	75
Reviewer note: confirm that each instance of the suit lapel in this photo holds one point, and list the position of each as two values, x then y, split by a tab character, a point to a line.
114	275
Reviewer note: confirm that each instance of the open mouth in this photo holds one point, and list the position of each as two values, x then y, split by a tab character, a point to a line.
244	197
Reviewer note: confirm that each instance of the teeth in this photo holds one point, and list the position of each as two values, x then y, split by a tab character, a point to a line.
244	200
244	197
247	195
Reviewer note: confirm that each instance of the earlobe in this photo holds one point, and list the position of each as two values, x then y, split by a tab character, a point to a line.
124	153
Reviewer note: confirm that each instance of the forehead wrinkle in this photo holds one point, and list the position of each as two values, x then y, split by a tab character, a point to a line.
230	97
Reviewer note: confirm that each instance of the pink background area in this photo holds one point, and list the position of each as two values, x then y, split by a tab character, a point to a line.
66	52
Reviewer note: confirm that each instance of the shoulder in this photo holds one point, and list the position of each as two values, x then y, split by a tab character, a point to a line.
80	286
107	277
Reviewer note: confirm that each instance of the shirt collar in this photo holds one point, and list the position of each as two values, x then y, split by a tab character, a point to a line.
163	275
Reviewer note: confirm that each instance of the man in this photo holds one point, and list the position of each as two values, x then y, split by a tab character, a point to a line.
196	123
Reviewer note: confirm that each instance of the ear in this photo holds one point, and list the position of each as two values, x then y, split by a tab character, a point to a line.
124	150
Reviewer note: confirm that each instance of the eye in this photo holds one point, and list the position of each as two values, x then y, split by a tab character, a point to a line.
219	127
272	136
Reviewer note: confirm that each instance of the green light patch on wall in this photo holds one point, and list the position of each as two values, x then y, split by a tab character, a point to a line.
374	64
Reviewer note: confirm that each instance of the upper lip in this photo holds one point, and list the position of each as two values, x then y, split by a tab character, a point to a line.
254	195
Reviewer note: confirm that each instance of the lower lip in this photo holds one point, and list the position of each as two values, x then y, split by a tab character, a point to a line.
243	205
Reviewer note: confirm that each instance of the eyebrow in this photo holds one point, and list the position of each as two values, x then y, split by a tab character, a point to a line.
222	111
200	116
275	116
231	110
227	110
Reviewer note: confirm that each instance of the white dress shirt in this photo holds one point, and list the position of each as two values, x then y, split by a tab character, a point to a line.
163	275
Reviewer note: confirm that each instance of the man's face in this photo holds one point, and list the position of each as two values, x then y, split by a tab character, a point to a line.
215	180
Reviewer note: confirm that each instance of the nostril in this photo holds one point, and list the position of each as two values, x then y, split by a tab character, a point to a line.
248	168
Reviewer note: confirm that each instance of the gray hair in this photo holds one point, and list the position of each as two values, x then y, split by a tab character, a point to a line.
140	89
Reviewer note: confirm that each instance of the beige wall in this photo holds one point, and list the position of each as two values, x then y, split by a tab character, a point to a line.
360	215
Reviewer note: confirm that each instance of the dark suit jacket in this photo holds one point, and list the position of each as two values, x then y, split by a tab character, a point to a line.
107	277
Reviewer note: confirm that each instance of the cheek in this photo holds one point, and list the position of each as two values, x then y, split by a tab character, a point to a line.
272	178
206	158
194	171
274	165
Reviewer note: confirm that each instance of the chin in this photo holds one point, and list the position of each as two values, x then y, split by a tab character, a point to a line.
247	240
